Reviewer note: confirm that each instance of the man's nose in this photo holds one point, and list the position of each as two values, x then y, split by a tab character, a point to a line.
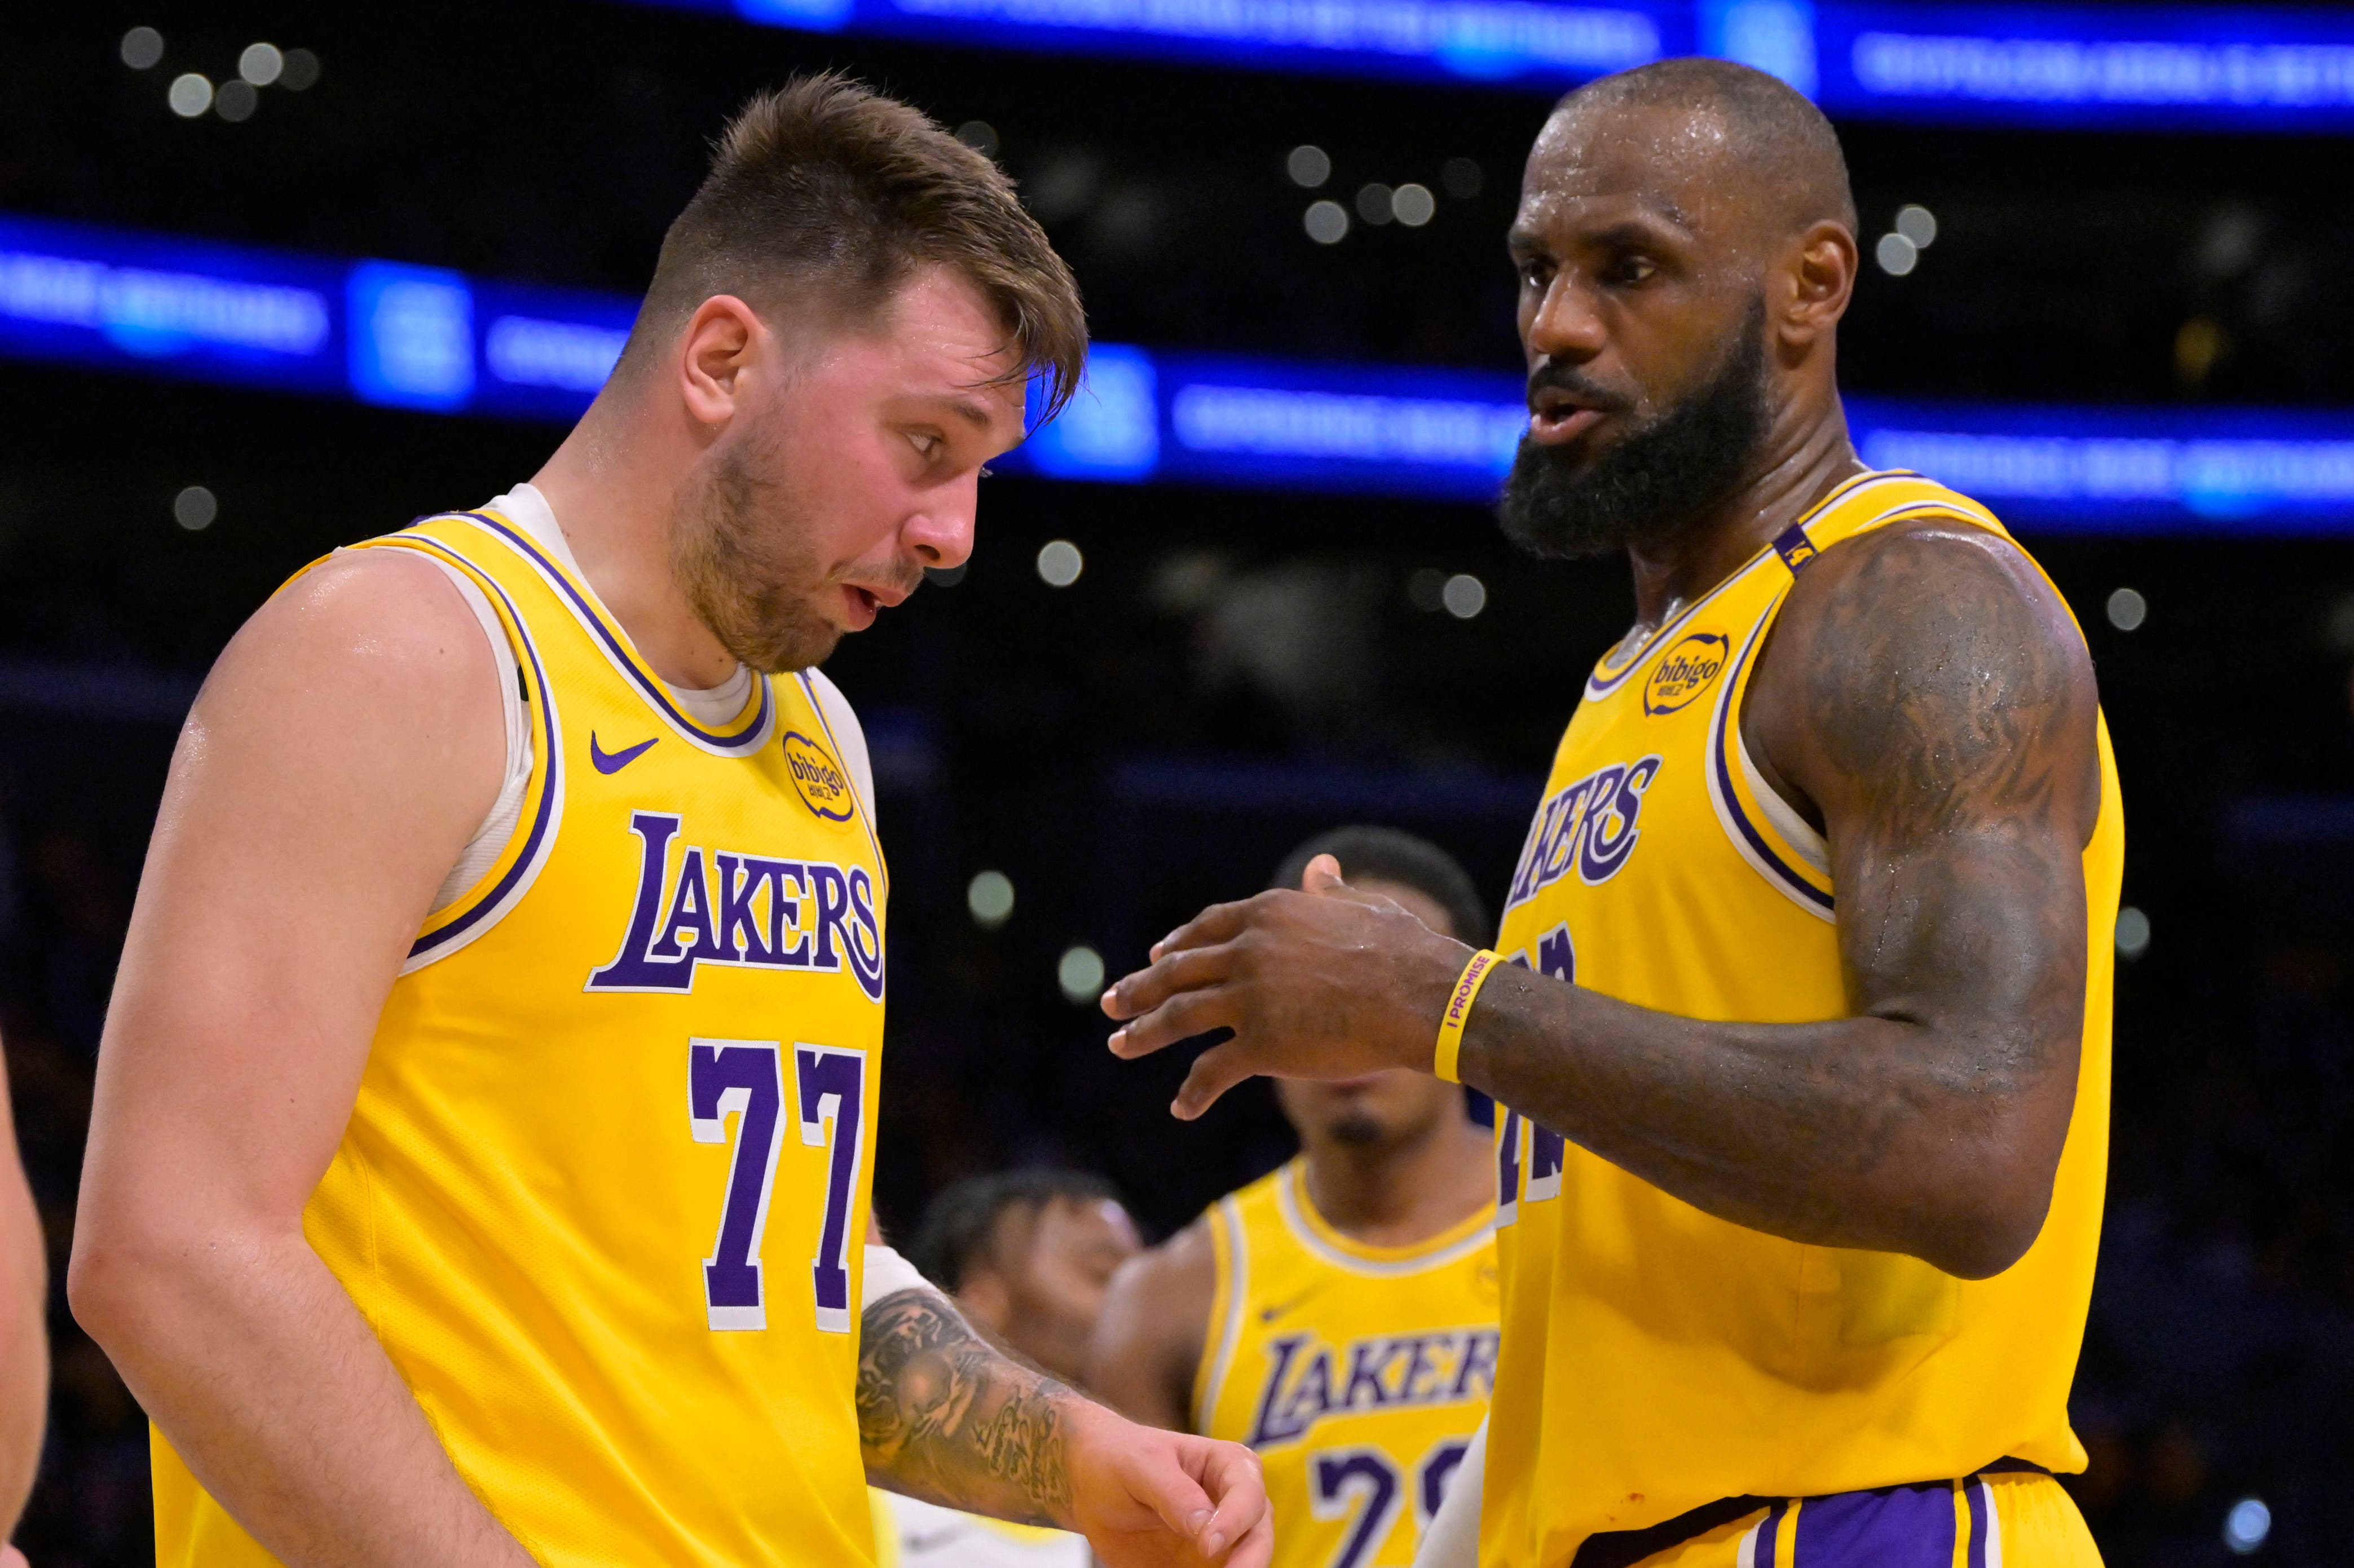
941	536
1566	325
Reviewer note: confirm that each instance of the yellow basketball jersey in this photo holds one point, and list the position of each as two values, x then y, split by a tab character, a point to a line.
1655	1358
1357	1372
604	1190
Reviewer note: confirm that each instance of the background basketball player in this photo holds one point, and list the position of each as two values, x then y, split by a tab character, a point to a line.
1338	1315
1027	1256
1808	1071
484	1119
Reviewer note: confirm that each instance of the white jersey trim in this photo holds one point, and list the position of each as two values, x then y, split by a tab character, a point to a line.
1229	1213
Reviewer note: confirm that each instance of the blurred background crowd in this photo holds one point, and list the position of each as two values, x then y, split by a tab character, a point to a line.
1138	696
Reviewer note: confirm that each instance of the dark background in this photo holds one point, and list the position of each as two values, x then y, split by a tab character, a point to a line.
1232	671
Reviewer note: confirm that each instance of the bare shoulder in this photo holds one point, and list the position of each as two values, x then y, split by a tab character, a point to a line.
1926	668
1185	1264
1155	1322
365	612
1926	577
365	685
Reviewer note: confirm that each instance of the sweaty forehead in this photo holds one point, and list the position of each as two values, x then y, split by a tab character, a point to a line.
1598	164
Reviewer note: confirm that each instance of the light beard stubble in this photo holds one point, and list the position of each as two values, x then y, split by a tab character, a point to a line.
753	597
1658	480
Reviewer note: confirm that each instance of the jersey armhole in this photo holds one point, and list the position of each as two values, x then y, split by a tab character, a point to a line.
1228	1299
517	864
1779	844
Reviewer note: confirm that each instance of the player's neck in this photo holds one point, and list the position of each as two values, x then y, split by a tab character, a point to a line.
1803	458
613	497
1397	1194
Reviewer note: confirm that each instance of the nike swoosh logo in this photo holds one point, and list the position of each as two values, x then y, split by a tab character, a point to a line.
614	761
1270	1314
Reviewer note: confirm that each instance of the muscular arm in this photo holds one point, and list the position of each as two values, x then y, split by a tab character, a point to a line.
944	1416
1148	1342
24	1335
1927	697
344	748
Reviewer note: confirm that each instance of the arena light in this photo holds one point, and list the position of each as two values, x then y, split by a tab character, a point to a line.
1060	563
2148	66
989	899
195	508
190	94
1080	973
434	339
261	64
142	49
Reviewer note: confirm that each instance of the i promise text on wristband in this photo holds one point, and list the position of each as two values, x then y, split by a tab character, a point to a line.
1458	1013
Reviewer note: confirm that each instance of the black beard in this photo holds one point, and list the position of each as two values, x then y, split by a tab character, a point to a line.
1657	480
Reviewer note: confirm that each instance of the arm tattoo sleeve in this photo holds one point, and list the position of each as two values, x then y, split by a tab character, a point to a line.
1927	692
944	1416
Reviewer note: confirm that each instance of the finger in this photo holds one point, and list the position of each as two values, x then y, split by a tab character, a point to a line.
1148	988
1214	1072
1163	1483
1256	1547
1181	1017
1218	923
1232	1476
1322	875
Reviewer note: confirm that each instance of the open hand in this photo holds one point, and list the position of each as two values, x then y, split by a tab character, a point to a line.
1328	982
1150	1498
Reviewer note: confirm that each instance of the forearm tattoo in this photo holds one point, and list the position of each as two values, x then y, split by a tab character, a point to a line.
945	1416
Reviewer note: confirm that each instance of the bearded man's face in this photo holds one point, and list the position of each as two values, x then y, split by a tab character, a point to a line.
1651	480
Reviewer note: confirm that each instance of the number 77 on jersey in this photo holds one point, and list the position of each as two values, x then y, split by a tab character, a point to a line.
744	1078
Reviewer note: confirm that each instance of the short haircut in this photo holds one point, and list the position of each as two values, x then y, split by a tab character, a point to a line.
959	1230
1776	131
822	200
1386	855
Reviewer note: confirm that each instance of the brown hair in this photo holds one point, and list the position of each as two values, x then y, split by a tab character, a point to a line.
824	196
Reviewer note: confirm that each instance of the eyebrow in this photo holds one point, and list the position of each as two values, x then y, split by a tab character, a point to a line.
1644	230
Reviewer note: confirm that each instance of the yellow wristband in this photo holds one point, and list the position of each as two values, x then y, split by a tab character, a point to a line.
1458	1013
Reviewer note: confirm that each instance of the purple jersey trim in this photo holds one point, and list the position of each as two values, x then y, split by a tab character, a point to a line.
1599	684
742	744
543	814
1893	1526
1720	761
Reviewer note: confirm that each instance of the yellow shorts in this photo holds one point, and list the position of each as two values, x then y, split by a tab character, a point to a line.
2015	1520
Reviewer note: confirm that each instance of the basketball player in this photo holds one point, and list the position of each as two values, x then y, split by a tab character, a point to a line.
1808	1062
1026	1255
23	1332
484	1120
1339	1316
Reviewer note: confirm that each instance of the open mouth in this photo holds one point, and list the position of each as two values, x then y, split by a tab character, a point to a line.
1556	417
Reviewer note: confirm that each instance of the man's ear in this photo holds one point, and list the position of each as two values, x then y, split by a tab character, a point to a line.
1815	283
719	345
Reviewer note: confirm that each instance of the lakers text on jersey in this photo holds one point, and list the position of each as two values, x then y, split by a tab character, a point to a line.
604	1189
1658	1359
1357	1373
